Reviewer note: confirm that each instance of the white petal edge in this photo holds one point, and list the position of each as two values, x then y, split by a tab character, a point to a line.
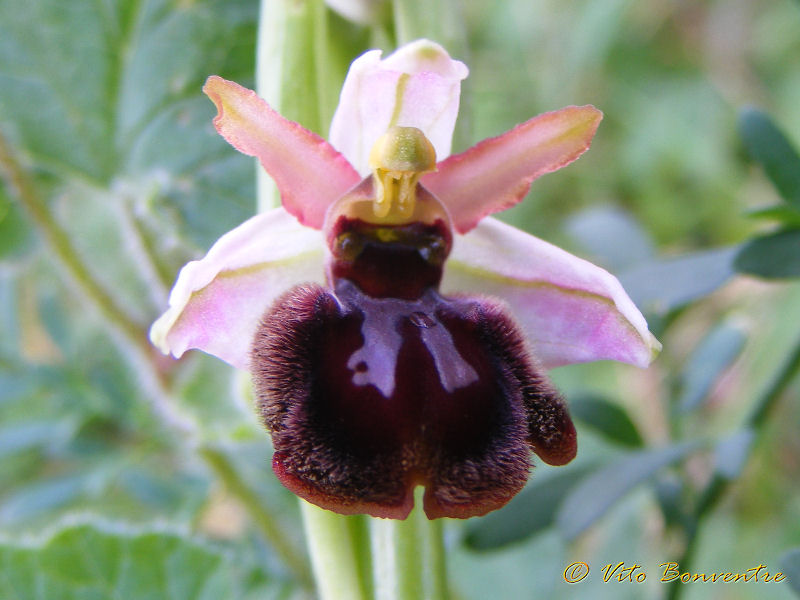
218	301
570	310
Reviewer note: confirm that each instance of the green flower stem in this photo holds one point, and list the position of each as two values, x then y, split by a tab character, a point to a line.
290	71
339	554
290	64
270	529
441	22
393	560
408	557
716	488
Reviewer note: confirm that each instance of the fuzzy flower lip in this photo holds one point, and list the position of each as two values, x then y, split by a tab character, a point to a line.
570	310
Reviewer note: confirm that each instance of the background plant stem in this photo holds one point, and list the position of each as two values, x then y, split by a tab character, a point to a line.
718	485
269	527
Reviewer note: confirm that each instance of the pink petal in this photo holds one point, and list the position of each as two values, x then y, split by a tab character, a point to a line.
218	301
571	310
309	173
419	85
497	173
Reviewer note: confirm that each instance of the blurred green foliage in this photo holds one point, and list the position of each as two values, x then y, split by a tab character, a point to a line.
102	561
101	112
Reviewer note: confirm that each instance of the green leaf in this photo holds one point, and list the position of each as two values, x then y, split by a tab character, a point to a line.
607	418
671	495
530	512
43	496
710	358
108	95
612	235
203	382
590	499
768	146
53	317
17	381
666	284
732	452
16	237
788	216
773	256
89	561
9	321
156	489
790	566
31	434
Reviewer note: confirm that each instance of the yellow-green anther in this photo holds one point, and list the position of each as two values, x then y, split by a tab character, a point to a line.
404	149
397	160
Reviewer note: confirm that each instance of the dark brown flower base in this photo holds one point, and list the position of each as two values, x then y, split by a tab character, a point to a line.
366	398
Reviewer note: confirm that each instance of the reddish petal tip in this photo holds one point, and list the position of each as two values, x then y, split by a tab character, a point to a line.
309	173
496	173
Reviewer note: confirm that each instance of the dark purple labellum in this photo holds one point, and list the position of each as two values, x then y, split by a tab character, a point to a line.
382	384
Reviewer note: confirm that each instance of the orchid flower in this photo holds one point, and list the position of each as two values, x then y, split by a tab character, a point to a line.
396	334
